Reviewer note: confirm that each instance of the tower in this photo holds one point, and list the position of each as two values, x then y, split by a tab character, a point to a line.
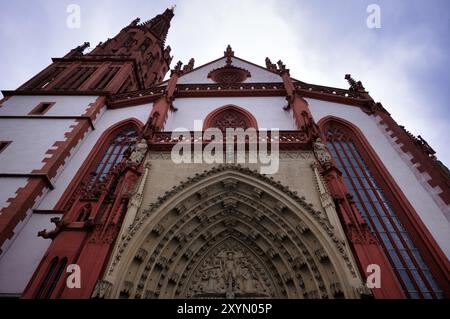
63	103
134	59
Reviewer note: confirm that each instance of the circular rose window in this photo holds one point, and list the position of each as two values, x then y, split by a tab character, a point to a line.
229	74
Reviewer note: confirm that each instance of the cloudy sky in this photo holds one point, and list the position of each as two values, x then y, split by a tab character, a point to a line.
403	64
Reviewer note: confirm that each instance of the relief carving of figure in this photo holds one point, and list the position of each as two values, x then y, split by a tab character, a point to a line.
231	265
213	281
322	153
138	152
231	273
248	278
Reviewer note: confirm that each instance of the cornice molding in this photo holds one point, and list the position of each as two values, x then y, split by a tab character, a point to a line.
325	93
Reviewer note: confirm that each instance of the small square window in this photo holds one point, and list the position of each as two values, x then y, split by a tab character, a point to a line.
3	145
41	108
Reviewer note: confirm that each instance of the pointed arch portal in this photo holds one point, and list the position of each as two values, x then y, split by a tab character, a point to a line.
230	233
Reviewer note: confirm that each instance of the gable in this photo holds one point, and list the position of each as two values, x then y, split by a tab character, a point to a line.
258	74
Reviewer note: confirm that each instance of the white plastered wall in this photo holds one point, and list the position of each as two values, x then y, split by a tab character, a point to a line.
430	213
258	74
64	105
17	264
23	252
32	138
30	141
268	111
8	188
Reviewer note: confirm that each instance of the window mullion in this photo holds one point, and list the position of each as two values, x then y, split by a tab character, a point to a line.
351	160
369	179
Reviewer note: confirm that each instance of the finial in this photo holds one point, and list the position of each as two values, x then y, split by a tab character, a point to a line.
135	22
84	46
177	68
78	51
228	52
190	66
281	66
172	8
269	65
354	85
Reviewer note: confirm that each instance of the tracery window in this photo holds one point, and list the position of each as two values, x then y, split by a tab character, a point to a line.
410	267
56	269
230	116
115	151
107	154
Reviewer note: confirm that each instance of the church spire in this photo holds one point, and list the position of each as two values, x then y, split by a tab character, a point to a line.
160	24
135	58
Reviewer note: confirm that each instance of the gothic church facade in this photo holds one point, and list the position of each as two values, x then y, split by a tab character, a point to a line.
88	178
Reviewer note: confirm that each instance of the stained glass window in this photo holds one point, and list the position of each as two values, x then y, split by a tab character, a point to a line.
406	260
115	152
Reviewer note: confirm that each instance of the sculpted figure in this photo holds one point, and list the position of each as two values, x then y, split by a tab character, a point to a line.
249	280
138	152
321	152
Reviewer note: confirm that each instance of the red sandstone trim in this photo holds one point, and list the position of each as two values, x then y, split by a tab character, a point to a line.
93	157
64	148
212	90
25	199
419	159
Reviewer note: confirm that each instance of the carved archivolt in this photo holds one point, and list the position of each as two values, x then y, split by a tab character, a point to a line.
230	233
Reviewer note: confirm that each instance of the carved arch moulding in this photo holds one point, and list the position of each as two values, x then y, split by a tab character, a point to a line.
230	233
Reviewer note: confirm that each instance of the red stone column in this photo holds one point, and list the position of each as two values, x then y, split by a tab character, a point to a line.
161	107
88	244
365	246
302	115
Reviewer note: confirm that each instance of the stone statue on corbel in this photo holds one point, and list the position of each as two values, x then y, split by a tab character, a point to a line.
138	152
322	153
